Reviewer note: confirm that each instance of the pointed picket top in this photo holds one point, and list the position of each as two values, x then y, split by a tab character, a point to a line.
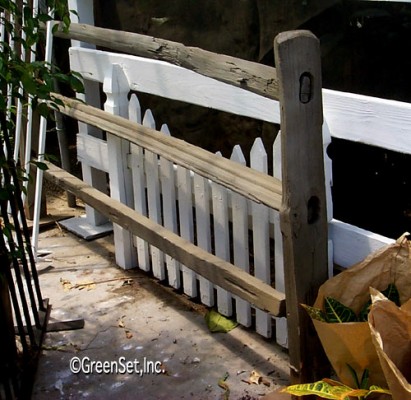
277	170
218	153
116	88
237	155
258	156
165	129
148	120
134	109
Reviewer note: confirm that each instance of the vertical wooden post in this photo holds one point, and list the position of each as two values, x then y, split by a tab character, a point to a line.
303	214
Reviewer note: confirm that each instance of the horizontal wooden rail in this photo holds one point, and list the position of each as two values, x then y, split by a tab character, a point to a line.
252	184
216	270
257	78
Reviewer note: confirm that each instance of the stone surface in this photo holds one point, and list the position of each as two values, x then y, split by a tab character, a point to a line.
129	314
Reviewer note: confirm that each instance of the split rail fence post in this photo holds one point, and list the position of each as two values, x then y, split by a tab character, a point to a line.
303	213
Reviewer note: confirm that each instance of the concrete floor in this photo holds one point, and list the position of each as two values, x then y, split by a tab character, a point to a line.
129	316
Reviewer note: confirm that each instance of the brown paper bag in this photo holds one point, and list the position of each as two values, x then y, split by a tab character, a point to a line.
391	334
351	343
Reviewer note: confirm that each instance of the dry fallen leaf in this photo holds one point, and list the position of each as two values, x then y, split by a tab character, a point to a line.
66	284
121	324
255	377
129	335
164	369
85	285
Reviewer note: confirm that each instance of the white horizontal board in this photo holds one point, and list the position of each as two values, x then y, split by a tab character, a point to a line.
369	120
358	118
92	151
174	82
353	244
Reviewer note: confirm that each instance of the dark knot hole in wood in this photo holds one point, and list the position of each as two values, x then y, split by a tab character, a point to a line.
313	210
306	84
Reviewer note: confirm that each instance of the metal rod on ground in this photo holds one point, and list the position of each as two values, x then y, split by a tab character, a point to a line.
63	145
42	147
12	290
18	280
23	234
29	126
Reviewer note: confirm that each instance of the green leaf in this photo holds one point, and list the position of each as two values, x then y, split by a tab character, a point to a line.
365	379
315	313
76	84
43	109
363	383
4	195
218	323
391	293
337	312
40	165
363	315
321	389
377	389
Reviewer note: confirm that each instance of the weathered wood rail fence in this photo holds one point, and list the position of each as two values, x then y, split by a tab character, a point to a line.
190	216
191	192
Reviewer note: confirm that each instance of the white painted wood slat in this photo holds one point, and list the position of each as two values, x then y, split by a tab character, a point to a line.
280	323
240	239
136	164
261	236
153	198
168	190
185	211
116	88
203	231
221	240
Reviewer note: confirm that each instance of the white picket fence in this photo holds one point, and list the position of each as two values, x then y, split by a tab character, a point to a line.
201	211
198	209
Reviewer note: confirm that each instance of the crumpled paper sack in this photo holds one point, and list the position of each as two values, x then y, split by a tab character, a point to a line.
391	334
351	343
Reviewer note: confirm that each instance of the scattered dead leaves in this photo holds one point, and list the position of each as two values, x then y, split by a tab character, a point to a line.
121	324
257	379
91	285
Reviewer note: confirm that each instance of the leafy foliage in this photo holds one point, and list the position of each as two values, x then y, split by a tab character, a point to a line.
391	293
334	390
24	83
360	383
19	77
315	313
336	312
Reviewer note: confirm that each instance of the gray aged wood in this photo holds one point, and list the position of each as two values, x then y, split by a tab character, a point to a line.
252	184
257	78
303	214
200	261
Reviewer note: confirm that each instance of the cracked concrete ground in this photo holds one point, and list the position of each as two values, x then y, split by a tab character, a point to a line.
130	318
